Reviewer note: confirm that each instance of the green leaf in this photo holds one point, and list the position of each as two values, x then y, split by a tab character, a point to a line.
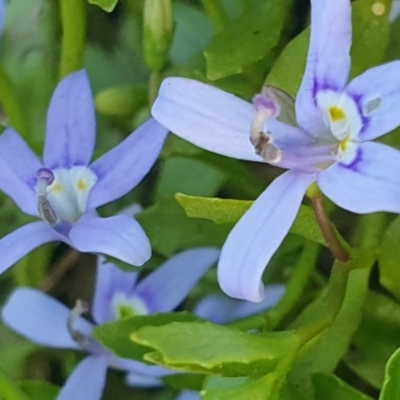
115	336
223	211
391	385
170	230
106	5
246	40
9	390
330	387
39	390
218	388
329	348
377	337
188	175
370	37
288	69
388	258
208	348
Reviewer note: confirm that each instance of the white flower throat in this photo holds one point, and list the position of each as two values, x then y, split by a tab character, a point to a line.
63	193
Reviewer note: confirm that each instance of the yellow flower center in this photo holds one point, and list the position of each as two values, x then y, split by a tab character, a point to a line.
336	113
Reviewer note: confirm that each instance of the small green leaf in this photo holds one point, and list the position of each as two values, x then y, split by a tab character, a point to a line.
246	40
182	232
39	390
391	384
203	347
115	335
106	5
388	258
223	211
330	387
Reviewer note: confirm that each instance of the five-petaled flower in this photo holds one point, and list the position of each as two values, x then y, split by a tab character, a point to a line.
64	190
328	142
48	322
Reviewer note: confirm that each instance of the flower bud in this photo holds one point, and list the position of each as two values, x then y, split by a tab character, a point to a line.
158	32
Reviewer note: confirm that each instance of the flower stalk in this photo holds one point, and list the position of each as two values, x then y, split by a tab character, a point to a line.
73	16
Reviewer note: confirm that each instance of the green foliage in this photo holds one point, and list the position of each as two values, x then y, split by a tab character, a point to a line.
391	385
106	5
247	40
389	256
39	390
207	348
116	335
330	387
225	211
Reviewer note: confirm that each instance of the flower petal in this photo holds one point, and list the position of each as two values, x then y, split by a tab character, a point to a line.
328	60
258	234
207	117
41	319
71	123
120	236
17	244
88	380
378	91
221	309
143	381
167	287
188	395
369	184
18	165
109	280
122	168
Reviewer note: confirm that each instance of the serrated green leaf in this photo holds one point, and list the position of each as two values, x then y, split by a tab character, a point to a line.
246	40
170	230
330	387
388	258
224	211
203	347
391	384
106	5
115	336
377	337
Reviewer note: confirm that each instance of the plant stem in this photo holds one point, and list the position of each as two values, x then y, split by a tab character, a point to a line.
328	230
73	16
154	85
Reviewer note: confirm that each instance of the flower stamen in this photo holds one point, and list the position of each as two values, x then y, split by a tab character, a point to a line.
46	212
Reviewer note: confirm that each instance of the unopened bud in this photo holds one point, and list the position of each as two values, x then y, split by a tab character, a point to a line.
121	102
157	33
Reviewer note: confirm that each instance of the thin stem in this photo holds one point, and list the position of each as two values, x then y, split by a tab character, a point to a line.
11	104
60	269
73	15
295	288
216	12
328	230
154	85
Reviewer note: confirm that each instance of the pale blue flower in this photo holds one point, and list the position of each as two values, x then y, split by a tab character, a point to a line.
64	190
328	141
47	322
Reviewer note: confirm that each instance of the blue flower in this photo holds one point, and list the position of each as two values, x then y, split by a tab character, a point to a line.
46	321
64	190
327	140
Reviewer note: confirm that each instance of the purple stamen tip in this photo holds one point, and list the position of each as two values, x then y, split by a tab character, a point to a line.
261	102
45	174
